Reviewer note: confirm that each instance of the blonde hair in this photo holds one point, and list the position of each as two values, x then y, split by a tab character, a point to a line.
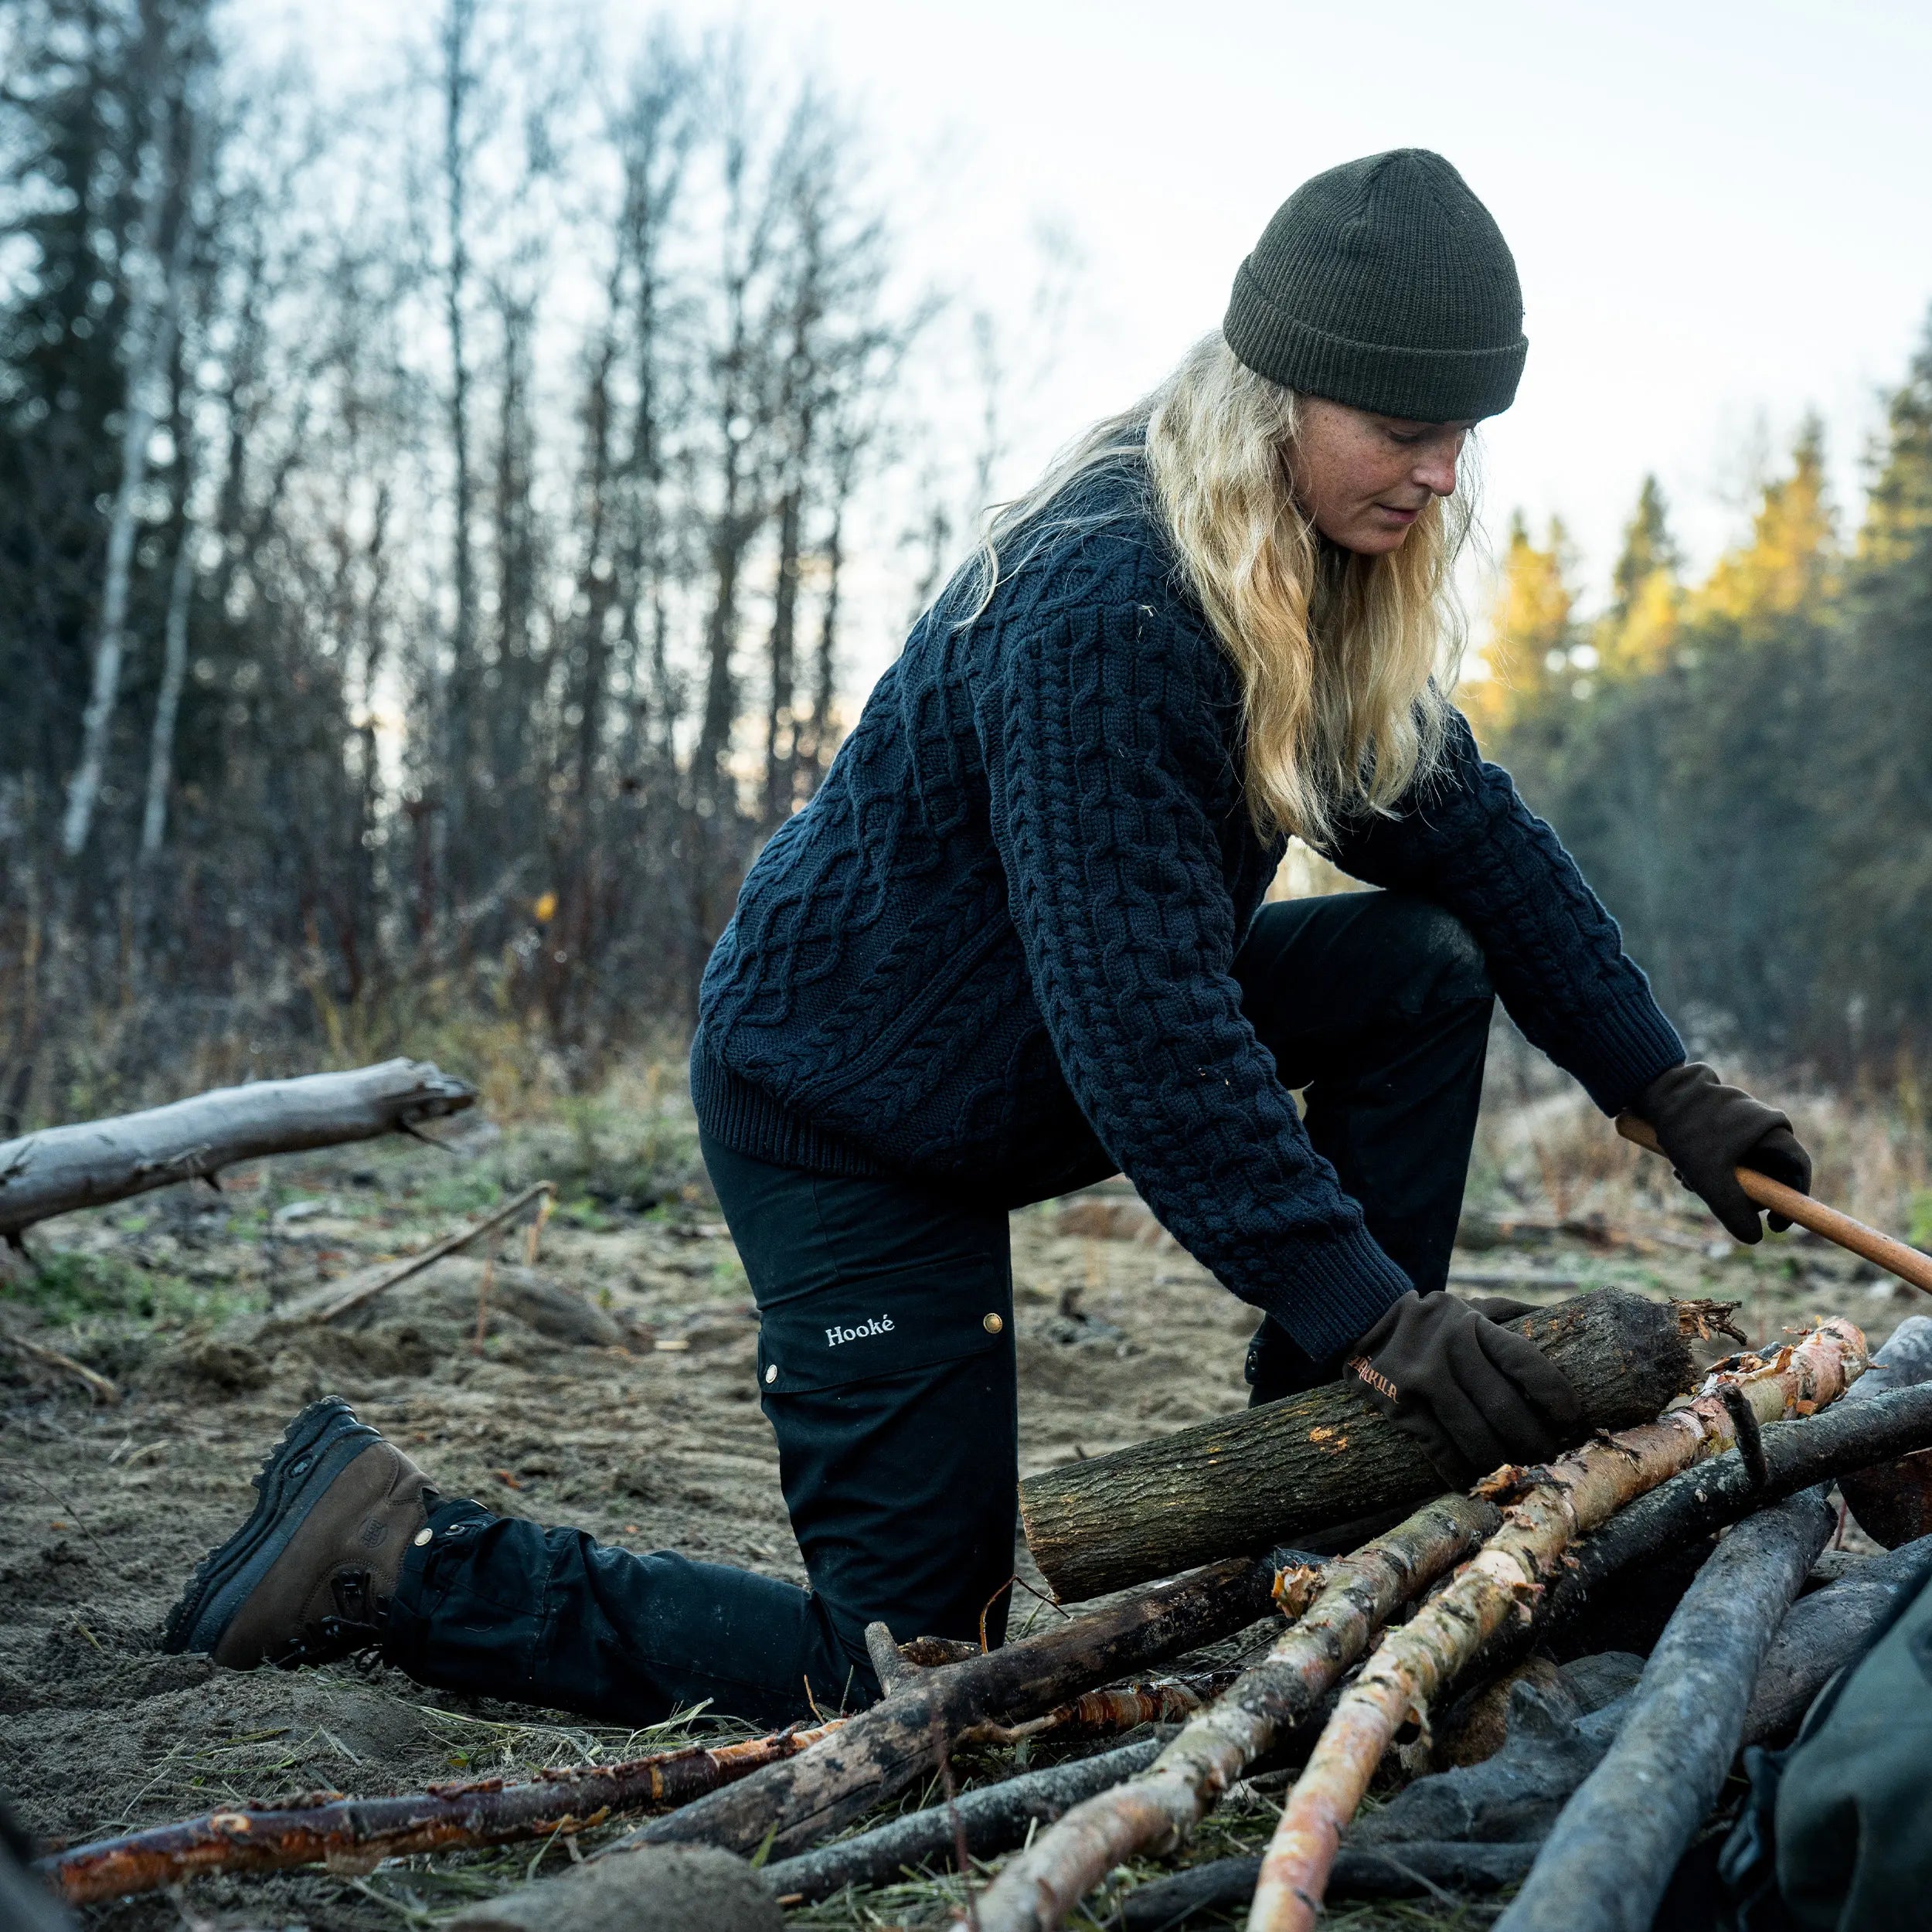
1342	658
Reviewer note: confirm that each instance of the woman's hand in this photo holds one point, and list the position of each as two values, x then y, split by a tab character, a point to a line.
1475	1395
1708	1130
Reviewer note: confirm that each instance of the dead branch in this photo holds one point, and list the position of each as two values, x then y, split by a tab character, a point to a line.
881	1750
1157	1809
358	1833
436	1251
1272	1475
96	1384
1825	1631
993	1819
1606	1862
1553	1508
95	1162
1401	1872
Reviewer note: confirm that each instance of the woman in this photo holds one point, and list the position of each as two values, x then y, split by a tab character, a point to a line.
1018	942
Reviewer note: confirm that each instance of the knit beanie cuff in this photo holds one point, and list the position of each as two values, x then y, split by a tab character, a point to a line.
1420	384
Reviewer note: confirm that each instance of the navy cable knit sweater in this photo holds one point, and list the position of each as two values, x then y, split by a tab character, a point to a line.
993	952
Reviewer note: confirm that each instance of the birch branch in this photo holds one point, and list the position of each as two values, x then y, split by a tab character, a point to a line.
881	1750
1158	1809
1604	1867
1555	1506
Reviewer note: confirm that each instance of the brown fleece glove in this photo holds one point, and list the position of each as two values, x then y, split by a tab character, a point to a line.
1708	1130
1474	1395
1499	1307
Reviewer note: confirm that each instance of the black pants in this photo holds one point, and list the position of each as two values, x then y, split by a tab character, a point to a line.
886	1369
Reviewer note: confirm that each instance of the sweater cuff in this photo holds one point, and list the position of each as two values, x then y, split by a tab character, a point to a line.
1332	1292
1624	1050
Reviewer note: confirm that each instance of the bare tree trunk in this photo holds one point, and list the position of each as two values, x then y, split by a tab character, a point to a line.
174	671
151	324
459	24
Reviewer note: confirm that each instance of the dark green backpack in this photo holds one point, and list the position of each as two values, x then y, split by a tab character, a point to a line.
1837	1836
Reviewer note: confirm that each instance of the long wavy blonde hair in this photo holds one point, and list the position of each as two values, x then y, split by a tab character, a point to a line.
1342	658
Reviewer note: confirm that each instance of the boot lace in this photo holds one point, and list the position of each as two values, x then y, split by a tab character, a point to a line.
354	1628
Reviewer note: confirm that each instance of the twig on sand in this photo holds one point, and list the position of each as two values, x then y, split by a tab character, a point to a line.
436	1251
96	1384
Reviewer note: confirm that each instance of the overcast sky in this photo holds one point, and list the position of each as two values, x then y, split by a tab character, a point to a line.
1722	213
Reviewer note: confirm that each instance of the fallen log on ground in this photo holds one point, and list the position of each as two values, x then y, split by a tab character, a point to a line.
991	1820
95	1162
1824	1632
1267	1476
1555	1505
877	1753
1227	1884
1604	1866
1351	1600
360	1832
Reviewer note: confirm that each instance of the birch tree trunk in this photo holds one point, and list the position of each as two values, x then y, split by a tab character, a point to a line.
174	671
151	324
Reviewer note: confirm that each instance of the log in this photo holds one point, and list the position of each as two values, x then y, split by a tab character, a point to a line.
1893	1502
96	1161
1605	1866
362	1831
1824	1632
879	1753
992	1820
1552	1507
1346	1603
1269	1475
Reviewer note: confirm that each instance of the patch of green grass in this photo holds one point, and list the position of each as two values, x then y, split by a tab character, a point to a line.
1918	1230
462	1192
65	1286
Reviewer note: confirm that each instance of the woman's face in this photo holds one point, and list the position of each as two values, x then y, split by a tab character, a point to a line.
1364	479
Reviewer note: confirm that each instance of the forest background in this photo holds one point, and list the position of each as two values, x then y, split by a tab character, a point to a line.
435	530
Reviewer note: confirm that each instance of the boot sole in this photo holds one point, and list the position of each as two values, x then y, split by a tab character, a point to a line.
315	1449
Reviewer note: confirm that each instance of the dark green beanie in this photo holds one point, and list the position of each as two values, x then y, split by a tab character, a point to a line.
1386	285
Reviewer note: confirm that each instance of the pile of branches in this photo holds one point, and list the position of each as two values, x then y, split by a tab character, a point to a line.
1440	1624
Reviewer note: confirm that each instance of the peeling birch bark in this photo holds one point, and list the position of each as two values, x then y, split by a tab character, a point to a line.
1554	1506
1156	1810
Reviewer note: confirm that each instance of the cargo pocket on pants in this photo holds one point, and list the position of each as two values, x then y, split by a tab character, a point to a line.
833	1335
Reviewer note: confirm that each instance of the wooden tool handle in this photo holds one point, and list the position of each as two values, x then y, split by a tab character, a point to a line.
1880	1249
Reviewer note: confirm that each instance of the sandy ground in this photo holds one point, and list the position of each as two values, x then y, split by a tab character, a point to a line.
612	1389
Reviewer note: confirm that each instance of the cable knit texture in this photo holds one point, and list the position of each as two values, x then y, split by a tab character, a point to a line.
993	953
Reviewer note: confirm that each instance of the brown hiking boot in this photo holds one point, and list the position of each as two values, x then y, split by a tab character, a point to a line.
309	1577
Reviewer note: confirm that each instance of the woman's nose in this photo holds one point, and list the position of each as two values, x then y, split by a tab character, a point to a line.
1436	468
